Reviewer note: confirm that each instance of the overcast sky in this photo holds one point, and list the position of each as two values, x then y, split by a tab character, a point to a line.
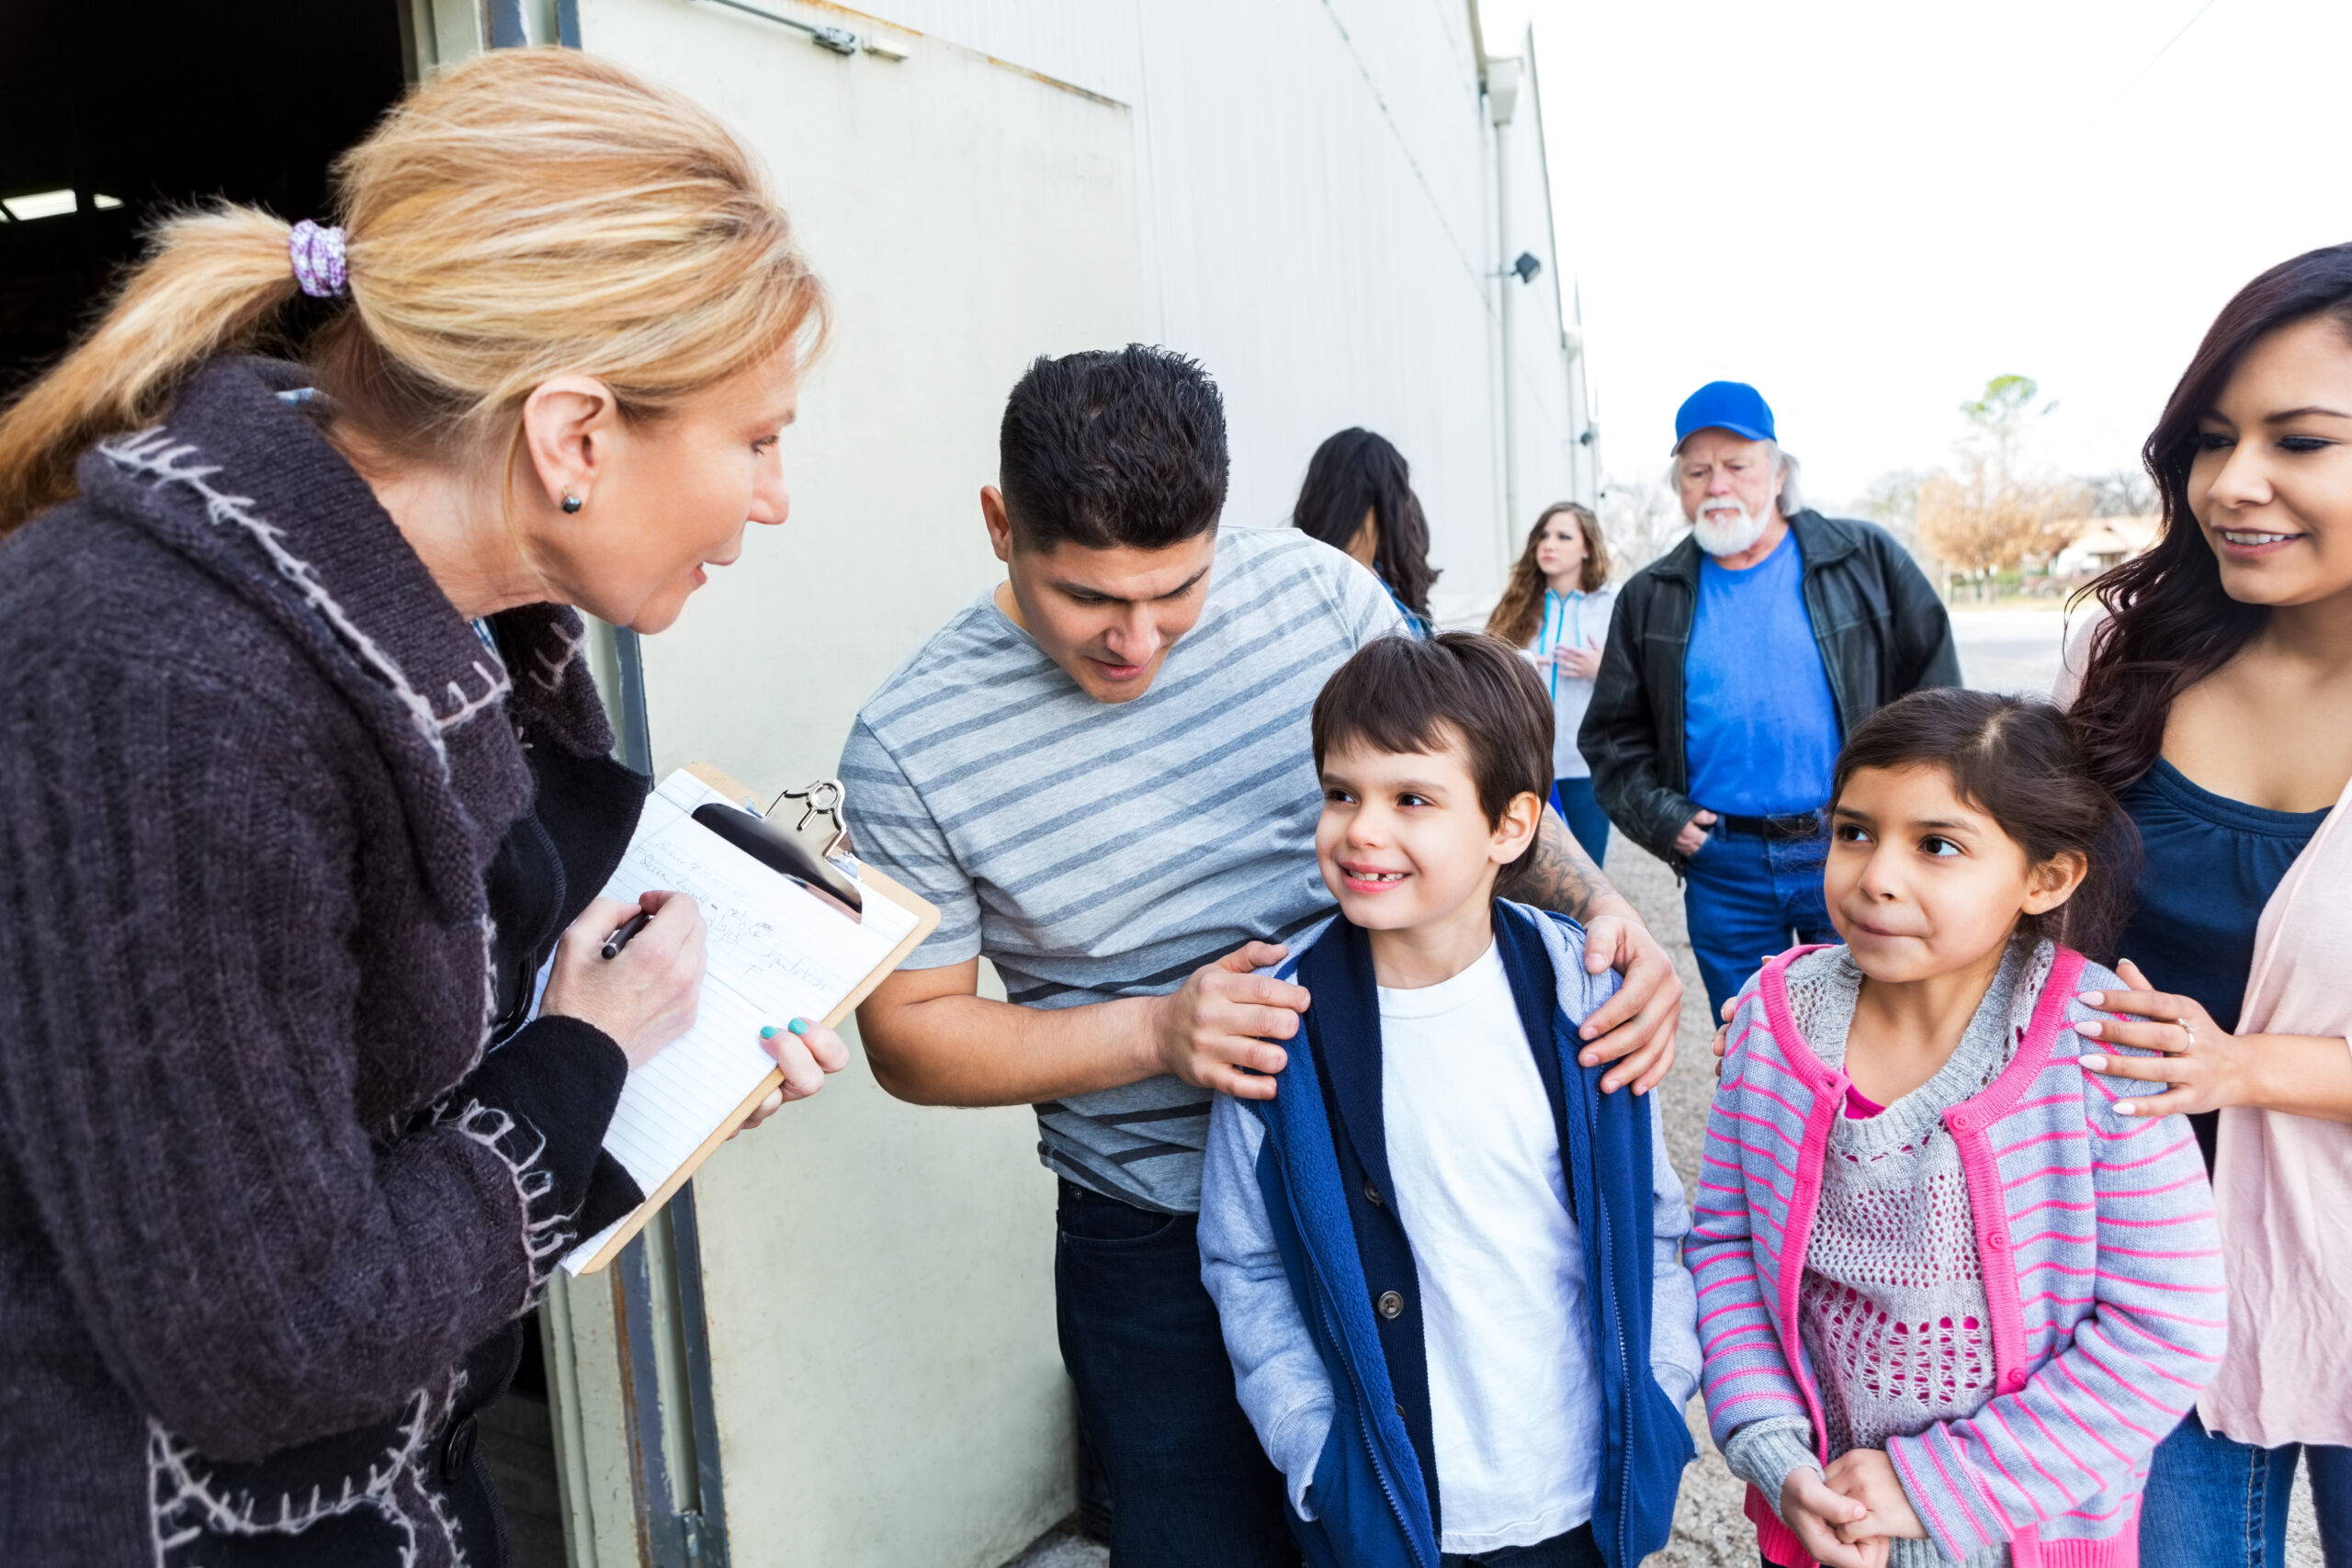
1869	209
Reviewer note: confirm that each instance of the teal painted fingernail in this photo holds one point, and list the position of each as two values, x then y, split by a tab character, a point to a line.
768	1032
800	1026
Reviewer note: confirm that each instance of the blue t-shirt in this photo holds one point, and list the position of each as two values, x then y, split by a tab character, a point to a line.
1759	725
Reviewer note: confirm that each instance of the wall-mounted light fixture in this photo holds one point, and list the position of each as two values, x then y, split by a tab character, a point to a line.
1524	268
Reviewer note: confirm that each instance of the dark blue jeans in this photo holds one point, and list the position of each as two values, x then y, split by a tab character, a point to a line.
1747	899
1576	1548
1190	1486
2212	1503
1588	824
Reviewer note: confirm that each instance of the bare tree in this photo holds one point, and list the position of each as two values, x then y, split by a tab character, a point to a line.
1892	501
2120	492
1643	520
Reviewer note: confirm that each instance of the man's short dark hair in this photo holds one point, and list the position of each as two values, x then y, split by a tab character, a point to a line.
1401	694
1105	449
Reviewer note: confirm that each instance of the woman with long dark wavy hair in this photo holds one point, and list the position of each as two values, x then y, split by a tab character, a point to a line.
1358	497
1556	610
2215	698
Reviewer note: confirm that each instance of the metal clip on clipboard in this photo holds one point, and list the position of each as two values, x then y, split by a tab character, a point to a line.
801	846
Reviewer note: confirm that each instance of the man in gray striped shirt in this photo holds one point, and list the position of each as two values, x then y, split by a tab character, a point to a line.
1100	772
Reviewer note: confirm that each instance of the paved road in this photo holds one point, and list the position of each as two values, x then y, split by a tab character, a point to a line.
2010	650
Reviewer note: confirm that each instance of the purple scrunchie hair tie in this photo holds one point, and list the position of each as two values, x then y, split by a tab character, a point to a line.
318	261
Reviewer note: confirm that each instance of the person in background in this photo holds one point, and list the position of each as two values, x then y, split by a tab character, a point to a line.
307	779
2214	695
1736	663
1557	609
1358	497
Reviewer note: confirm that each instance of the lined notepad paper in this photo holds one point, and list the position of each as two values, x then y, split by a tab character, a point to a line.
776	953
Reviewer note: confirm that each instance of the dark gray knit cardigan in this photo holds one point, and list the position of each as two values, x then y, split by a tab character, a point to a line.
261	1194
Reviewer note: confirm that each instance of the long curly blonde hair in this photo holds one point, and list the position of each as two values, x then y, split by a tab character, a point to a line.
526	214
1521	608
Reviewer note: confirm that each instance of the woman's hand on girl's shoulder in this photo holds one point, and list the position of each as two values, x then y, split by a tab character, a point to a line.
2197	1065
2205	1067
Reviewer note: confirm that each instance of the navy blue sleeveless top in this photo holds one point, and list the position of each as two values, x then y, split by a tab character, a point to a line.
2213	863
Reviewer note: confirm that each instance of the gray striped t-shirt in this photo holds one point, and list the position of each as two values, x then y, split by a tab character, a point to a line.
1099	849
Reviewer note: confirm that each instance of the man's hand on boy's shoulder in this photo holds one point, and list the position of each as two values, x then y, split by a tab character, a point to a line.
1221	1021
1635	1029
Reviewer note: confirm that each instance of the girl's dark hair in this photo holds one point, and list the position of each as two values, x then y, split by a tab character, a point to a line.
1401	694
1521	610
2172	624
1355	472
2019	761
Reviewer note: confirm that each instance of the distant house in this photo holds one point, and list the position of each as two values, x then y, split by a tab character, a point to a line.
2095	543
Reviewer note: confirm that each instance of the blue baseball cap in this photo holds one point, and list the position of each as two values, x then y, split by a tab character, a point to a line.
1725	405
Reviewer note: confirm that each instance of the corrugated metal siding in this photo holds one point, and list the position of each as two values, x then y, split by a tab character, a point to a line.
1550	415
1317	216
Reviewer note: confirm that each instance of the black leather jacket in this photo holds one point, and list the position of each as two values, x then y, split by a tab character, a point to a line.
1881	628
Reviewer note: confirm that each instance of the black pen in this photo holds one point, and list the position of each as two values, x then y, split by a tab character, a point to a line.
619	939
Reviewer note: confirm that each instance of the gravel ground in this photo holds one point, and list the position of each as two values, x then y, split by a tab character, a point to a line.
1708	1530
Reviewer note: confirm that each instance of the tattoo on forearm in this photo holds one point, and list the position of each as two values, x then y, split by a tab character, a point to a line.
1560	875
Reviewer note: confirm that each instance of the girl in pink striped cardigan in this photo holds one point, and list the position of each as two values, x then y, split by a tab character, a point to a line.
1949	1299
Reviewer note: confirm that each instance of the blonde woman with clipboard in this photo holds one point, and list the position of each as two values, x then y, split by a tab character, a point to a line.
305	779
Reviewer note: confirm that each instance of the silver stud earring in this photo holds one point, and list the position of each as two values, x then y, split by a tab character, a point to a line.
572	503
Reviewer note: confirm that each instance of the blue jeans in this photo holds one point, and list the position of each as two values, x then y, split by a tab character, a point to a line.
1575	1549
1588	824
1190	1486
1747	899
2212	1503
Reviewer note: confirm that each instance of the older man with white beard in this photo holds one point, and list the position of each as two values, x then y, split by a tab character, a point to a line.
1736	664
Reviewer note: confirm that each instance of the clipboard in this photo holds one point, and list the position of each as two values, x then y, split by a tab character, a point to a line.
684	840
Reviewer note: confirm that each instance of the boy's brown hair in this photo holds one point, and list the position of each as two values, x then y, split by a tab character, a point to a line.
1402	694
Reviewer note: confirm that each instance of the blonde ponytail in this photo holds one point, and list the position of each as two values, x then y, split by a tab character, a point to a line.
214	279
527	214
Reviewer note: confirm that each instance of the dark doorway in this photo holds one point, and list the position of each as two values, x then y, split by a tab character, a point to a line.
112	114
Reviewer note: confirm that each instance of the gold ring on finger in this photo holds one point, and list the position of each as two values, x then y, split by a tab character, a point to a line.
2190	1030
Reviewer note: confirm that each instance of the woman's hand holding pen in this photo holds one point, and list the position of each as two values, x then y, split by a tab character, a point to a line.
644	996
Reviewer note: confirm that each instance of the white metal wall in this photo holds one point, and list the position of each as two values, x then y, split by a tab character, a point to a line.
1545	387
1318	225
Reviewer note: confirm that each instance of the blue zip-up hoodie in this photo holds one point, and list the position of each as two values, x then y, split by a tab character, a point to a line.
1291	1232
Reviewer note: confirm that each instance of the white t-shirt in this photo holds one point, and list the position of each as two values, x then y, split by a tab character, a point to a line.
1475	1157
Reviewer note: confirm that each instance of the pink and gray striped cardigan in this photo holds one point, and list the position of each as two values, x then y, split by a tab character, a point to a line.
2102	1274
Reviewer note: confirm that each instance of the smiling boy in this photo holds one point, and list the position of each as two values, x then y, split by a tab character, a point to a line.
1440	1200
